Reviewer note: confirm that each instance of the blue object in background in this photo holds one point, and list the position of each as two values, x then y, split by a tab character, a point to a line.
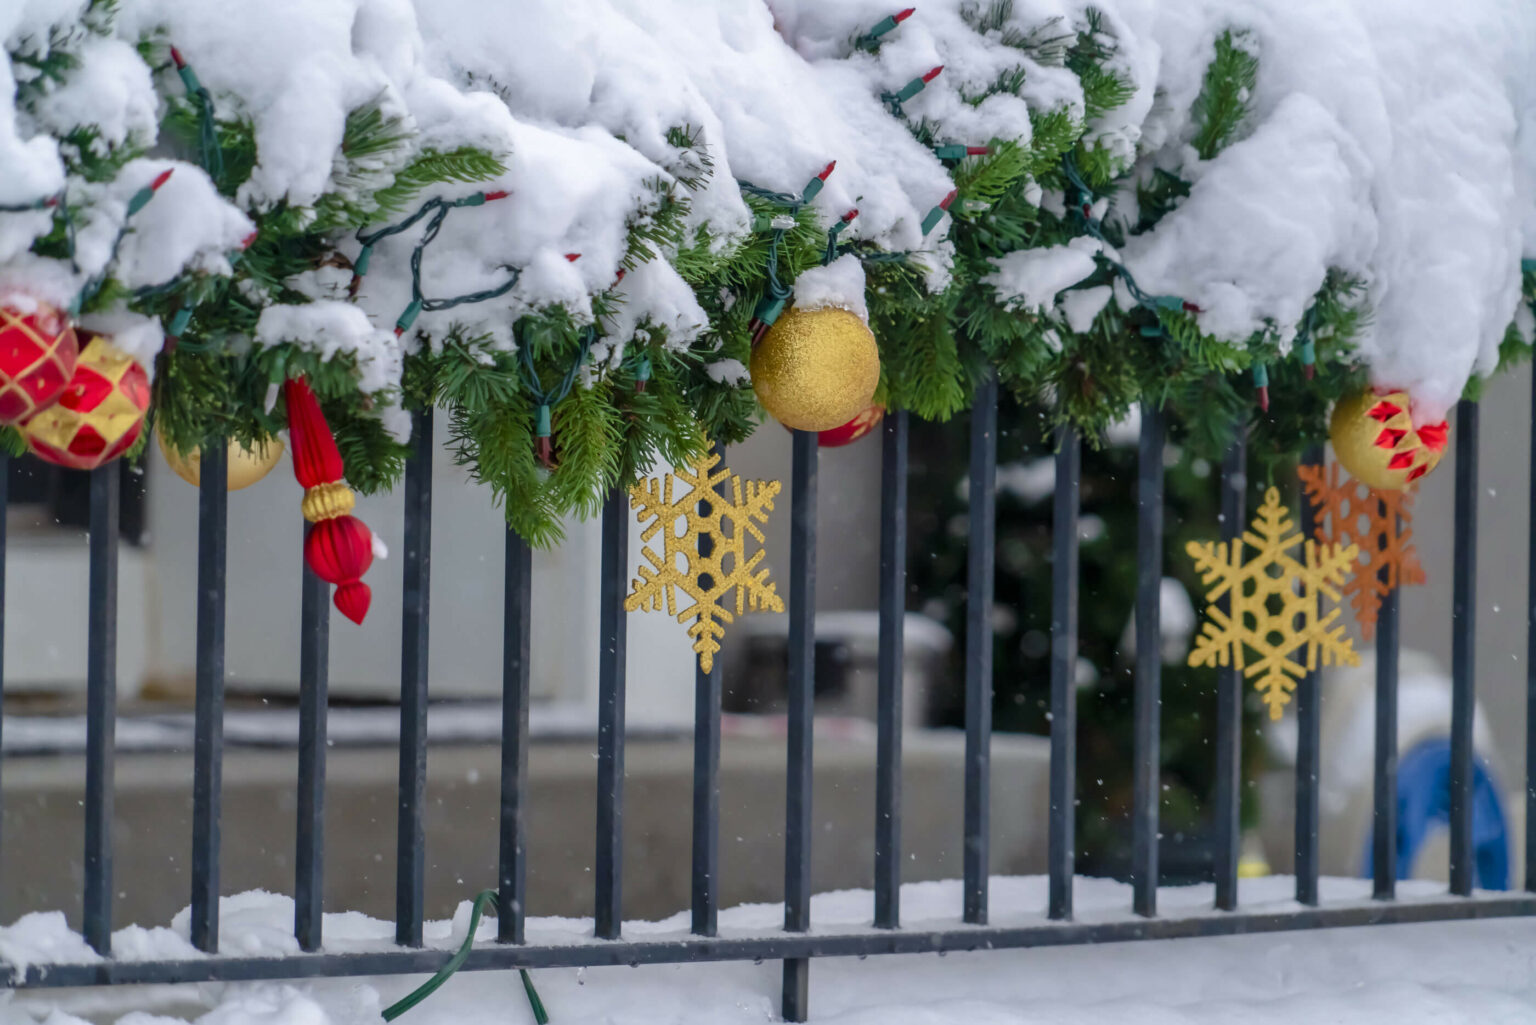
1424	804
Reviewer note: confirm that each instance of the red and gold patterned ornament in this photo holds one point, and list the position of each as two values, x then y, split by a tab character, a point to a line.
38	349
100	413
1374	437
339	547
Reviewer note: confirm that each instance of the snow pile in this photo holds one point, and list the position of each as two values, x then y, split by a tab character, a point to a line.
106	100
1029	279
1396	143
839	284
1460	972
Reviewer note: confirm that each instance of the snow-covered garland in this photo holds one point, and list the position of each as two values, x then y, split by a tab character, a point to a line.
1099	206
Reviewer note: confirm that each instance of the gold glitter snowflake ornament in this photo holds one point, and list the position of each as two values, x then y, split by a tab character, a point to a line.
709	559
1273	604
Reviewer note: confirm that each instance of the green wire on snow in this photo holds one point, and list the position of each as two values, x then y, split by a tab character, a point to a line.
484	899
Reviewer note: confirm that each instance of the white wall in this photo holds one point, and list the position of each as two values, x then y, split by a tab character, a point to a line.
468	551
47	577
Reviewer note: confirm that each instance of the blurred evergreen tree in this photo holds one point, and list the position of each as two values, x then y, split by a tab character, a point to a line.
1022	621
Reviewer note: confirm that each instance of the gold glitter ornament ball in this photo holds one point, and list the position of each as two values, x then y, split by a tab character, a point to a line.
816	369
246	465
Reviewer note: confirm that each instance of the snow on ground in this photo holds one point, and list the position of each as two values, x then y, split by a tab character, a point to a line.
1482	972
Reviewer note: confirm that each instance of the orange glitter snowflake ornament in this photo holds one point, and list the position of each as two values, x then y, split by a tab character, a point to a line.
1350	512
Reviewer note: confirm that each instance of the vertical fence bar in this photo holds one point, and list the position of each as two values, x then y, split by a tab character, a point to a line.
1062	843
314	698
5	498
612	640
706	764
415	610
1146	777
1229	692
101	706
1384	796
978	651
516	664
1309	720
208	716
801	699
1530	663
1463	646
888	709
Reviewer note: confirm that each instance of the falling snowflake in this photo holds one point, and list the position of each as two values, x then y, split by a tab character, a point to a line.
1273	603
1349	512
708	560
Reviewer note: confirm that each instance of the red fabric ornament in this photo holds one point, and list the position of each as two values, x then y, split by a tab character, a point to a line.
853	430
339	547
100	413
340	550
37	359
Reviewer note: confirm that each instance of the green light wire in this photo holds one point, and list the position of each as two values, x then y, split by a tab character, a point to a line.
438	209
484	899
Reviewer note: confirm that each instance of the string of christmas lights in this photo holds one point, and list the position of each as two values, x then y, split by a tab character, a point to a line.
778	293
546	400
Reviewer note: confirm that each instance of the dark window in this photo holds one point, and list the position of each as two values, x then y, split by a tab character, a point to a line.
62	497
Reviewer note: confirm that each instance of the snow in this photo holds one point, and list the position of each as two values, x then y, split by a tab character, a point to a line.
652	297
1393	142
1081	305
139	336
331	328
1463	972
1028	279
839	284
31	161
1314	216
185	227
729	371
109	96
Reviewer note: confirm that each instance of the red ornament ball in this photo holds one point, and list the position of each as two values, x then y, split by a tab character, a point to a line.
38	349
853	430
100	413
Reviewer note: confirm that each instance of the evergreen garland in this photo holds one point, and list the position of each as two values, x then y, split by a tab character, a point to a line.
614	408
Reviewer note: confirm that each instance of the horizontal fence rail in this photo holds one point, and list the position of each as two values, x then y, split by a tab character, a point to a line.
488	956
973	925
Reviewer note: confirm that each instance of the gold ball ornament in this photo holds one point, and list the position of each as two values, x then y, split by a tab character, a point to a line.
246	466
816	369
1374	437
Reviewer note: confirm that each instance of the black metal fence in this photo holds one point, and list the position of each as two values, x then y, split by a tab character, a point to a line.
796	944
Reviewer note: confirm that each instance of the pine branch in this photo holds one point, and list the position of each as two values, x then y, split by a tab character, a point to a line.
1225	100
465	164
